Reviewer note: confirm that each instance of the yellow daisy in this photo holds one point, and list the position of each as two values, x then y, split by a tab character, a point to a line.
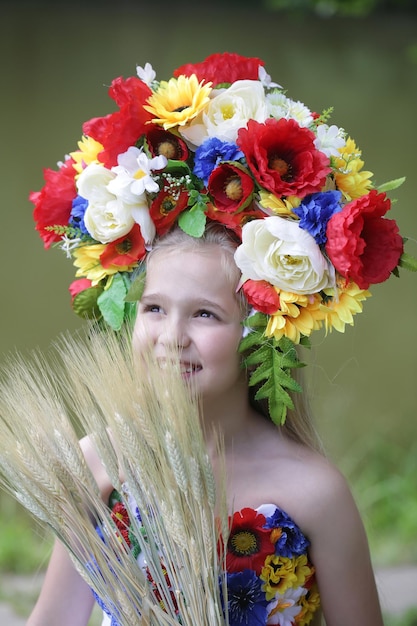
87	259
88	150
298	315
278	575
279	206
349	179
178	101
310	602
341	307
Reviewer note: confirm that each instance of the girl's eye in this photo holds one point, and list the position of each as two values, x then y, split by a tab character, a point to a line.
206	314
152	308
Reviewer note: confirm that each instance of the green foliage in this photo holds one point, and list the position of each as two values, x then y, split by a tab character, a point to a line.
344	8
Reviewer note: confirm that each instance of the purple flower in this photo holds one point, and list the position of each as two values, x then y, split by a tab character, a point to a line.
211	153
79	205
315	211
246	600
292	541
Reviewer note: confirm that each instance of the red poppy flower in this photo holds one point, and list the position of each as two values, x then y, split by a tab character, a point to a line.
53	203
234	221
362	244
166	207
223	67
261	295
120	517
249	542
163	142
283	158
125	250
230	187
117	131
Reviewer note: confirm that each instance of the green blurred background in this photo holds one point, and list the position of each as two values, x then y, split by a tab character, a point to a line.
56	63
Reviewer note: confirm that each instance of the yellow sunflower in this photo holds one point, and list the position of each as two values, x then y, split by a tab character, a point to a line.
178	101
298	315
88	150
339	311
349	178
87	259
279	206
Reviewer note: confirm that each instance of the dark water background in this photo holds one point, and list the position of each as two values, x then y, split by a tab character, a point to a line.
56	63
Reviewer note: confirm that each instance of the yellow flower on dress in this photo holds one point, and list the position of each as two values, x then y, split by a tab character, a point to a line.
309	605
88	153
279	206
342	306
278	575
302	570
178	101
87	259
349	179
298	315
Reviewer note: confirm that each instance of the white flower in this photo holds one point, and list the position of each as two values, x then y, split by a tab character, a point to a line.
280	106
68	244
227	112
266	79
329	139
284	607
134	174
279	251
106	218
147	74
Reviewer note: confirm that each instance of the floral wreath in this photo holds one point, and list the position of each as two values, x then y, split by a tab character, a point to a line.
219	141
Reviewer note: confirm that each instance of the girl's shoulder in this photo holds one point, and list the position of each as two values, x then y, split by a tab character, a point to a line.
96	467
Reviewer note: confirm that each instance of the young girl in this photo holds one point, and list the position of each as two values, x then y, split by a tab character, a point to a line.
267	229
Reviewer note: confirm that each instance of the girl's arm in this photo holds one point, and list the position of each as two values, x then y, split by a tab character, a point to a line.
341	556
65	598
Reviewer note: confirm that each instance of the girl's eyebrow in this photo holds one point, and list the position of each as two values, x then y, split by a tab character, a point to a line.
200	303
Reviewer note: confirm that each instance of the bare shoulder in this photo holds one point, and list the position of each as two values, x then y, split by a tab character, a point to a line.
96	466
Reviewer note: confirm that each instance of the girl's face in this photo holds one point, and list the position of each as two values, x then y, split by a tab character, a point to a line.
188	303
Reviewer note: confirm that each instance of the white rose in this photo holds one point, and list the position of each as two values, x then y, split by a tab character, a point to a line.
279	251
106	218
228	111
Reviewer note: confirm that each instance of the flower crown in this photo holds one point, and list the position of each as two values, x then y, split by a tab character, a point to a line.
219	141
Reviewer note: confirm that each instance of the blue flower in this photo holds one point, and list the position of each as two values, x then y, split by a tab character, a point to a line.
315	211
79	205
246	600
211	153
291	541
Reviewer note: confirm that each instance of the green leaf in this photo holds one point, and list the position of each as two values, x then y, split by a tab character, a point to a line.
85	303
193	222
111	302
136	287
392	184
180	167
408	262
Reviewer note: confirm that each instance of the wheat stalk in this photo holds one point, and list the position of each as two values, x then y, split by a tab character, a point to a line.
146	430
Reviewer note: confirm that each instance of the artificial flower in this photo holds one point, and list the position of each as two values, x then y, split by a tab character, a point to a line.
279	105
362	244
120	517
147	74
230	187
106	218
163	142
133	175
278	575
297	317
221	68
279	251
315	211
87	260
166	207
261	295
124	251
177	101
246	602
211	153
278	206
79	285
310	603
283	158
88	151
341	304
79	207
348	174
284	608
330	139
121	129
248	543
290	541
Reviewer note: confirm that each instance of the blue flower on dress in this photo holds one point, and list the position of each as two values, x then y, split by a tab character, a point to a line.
315	211
246	601
79	205
211	153
291	541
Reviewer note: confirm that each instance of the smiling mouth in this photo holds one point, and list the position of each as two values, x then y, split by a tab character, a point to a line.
186	369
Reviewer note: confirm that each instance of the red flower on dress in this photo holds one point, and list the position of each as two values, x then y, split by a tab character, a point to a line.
120	517
117	131
165	208
53	203
261	295
125	250
283	158
223	67
230	187
163	142
249	542
362	244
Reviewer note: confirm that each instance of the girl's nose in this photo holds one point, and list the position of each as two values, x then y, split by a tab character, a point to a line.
174	334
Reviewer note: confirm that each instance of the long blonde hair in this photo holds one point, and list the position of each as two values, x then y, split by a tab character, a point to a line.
299	423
